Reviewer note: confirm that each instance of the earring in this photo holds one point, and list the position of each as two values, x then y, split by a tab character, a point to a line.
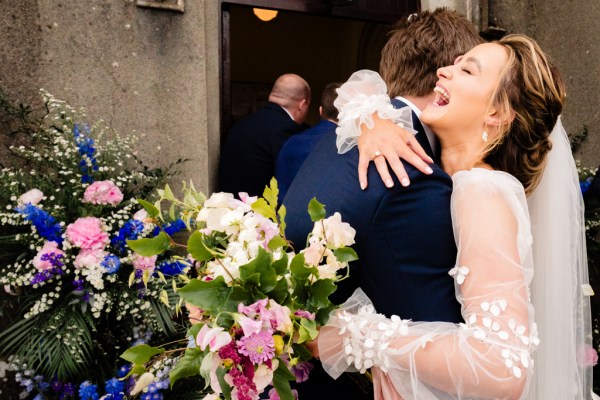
484	136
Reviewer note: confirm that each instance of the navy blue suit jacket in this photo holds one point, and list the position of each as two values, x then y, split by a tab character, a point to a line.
294	152
251	148
404	237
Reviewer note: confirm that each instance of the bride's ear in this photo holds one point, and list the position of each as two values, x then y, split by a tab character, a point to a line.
498	118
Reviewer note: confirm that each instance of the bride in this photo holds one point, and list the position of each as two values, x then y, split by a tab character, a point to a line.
520	274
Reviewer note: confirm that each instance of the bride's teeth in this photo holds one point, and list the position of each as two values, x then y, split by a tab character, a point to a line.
442	93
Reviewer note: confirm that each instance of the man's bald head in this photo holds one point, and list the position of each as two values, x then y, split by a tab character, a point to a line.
292	92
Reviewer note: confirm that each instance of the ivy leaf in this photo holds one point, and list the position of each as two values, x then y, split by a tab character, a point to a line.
345	254
261	265
197	247
141	354
149	247
150	208
208	295
319	293
277	242
281	292
281	381
308	330
280	266
260	206
316	210
271	193
188	365
299	271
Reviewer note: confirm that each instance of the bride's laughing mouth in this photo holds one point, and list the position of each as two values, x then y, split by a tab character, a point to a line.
442	97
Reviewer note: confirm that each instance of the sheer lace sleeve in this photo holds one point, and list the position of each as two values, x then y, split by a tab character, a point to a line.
487	356
364	94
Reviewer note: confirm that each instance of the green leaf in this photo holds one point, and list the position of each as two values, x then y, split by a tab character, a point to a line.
260	206
319	293
345	254
299	271
197	247
208	295
271	193
193	331
168	193
261	265
281	291
141	354
316	210
149	247
280	266
281	381
282	213
308	330
152	210
188	365
277	242
302	352
225	388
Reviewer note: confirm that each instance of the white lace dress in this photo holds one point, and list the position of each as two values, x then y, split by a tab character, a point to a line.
487	357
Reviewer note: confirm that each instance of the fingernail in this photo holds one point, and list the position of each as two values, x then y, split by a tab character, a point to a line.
362	185
389	183
405	182
429	170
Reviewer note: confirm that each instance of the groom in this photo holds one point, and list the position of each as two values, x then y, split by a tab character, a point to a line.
404	236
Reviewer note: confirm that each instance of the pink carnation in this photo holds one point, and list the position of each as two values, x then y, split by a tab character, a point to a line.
87	234
49	247
144	263
87	258
103	192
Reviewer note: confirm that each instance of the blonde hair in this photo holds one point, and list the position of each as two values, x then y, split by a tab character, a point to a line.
530	95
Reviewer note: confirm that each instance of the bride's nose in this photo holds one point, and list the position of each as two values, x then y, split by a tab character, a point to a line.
445	72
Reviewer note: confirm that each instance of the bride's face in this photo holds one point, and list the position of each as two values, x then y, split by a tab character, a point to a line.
464	91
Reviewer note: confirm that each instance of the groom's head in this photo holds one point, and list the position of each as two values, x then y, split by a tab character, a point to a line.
419	45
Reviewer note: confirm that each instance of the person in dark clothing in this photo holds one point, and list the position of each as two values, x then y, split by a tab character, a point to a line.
251	148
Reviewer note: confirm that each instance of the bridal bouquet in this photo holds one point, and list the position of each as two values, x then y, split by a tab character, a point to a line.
254	303
75	296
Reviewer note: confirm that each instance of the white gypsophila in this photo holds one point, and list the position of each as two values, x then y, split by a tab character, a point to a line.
93	274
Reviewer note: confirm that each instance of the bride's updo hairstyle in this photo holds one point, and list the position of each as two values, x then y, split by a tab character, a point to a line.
530	94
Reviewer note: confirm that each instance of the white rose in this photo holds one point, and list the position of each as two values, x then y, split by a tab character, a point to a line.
34	196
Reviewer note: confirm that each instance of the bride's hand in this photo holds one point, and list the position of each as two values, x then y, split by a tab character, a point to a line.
393	143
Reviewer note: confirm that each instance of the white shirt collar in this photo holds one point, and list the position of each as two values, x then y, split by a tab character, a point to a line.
288	113
428	132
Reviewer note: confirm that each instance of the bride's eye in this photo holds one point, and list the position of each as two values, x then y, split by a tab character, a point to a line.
466	70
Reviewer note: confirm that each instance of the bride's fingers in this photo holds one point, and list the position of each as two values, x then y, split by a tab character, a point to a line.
414	144
384	173
363	167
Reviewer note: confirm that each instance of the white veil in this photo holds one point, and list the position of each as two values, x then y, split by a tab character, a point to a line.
560	289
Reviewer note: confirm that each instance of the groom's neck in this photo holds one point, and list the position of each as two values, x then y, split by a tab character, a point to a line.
421	101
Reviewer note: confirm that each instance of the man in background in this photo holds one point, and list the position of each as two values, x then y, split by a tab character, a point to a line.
251	148
296	149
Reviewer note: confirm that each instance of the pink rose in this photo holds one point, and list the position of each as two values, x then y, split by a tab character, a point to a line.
87	234
103	192
34	196
195	314
49	247
87	258
144	263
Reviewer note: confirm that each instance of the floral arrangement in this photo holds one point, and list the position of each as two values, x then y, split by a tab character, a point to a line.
75	295
254	304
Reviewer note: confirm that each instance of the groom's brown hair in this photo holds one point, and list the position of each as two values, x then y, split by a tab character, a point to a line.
419	45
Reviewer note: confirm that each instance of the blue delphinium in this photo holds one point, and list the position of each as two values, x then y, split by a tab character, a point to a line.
115	389
57	264
111	263
171	268
85	144
44	223
170	228
87	391
153	390
130	230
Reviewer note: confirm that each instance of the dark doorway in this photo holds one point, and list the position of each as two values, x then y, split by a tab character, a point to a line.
321	40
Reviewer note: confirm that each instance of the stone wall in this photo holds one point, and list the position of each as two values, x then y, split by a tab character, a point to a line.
151	71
